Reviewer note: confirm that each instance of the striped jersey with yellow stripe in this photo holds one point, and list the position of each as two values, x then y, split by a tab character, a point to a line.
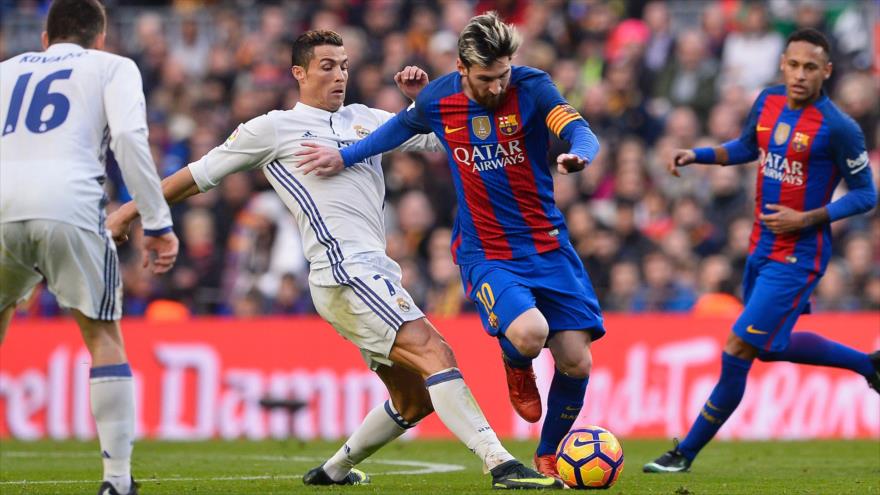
560	116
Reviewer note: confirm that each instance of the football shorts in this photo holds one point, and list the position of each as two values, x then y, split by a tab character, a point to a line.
775	295
365	302
554	282
81	267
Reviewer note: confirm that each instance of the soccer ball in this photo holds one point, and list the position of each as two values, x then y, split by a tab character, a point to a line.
589	457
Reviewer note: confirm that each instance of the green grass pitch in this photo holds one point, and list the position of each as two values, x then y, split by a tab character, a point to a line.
434	467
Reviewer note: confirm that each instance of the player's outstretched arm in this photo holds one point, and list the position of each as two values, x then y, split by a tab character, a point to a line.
175	188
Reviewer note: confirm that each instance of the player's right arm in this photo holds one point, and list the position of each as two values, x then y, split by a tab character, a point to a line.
744	149
125	109
250	146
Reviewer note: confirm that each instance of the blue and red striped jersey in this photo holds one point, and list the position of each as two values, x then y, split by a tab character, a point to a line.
803	155
498	159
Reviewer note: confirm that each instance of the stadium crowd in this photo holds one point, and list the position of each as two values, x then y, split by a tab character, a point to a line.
648	76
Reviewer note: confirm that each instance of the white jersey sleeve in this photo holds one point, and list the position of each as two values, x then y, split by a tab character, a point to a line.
125	107
419	142
252	145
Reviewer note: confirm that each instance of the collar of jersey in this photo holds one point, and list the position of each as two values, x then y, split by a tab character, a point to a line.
56	47
302	107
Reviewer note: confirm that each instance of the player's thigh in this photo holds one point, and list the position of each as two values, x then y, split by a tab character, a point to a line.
499	295
81	268
566	296
18	276
366	309
778	296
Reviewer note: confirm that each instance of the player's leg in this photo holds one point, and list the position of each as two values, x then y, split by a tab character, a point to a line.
5	319
409	403
811	348
82	270
569	303
421	348
775	294
507	310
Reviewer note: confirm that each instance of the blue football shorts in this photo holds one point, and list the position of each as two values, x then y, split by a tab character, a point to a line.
775	294
554	282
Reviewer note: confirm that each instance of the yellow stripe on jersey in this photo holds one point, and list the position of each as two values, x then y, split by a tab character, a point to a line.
561	116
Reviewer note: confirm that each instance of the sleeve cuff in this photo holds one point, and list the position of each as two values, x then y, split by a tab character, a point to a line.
157	232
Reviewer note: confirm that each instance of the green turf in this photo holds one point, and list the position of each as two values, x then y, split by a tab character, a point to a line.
815	467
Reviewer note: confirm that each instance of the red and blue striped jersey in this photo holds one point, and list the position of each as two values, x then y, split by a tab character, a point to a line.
498	158
803	154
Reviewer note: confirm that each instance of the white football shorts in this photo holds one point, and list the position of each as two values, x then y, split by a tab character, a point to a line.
365	302
81	267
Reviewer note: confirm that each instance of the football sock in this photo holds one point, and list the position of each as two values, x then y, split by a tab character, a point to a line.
564	402
382	425
513	357
722	402
457	408
112	400
810	348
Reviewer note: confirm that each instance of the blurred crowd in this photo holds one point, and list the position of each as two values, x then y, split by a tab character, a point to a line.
649	77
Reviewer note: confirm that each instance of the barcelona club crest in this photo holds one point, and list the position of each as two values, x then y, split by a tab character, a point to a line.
781	134
507	124
800	142
482	126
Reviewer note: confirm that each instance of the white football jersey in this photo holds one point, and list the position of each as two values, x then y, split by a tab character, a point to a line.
59	109
340	216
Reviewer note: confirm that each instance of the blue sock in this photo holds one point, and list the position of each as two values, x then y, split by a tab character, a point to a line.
725	397
564	403
511	355
810	348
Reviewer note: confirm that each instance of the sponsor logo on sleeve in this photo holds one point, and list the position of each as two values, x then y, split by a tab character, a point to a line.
858	164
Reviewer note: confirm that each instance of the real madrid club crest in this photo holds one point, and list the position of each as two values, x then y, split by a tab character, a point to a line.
781	134
508	124
361	131
403	304
800	142
482	126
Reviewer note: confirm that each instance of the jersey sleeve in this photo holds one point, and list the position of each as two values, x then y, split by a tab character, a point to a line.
561	118
125	109
851	159
251	145
419	142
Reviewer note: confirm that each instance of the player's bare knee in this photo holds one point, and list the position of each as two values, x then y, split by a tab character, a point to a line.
737	347
579	367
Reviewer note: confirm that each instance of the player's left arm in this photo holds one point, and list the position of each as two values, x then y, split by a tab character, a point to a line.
851	159
566	123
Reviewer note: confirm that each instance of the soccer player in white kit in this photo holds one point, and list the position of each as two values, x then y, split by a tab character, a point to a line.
59	108
355	286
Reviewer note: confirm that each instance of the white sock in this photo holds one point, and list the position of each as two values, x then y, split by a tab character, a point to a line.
112	397
457	408
382	425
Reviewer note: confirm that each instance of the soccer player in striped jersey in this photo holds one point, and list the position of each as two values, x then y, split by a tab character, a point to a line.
805	145
59	110
355	286
509	239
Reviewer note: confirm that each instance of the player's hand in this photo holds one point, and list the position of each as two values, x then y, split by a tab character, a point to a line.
319	159
118	226
411	81
681	158
567	163
160	252
784	220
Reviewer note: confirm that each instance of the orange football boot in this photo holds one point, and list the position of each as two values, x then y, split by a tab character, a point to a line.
546	465
523	391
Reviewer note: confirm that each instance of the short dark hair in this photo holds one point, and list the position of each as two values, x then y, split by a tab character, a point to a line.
304	45
77	21
811	36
